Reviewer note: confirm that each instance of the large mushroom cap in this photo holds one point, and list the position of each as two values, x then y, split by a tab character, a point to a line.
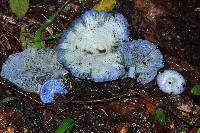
89	47
31	68
96	32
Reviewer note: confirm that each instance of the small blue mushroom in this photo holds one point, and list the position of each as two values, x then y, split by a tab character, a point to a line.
143	59
49	88
171	82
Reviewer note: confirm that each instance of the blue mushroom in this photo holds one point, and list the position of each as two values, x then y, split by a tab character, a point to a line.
88	47
30	68
49	88
171	82
143	59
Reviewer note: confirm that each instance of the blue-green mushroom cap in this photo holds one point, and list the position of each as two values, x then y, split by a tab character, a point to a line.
49	88
30	68
143	60
89	46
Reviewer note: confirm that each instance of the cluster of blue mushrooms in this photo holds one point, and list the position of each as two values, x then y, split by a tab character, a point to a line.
31	68
95	47
89	48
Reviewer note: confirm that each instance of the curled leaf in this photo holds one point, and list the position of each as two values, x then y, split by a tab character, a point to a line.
8	99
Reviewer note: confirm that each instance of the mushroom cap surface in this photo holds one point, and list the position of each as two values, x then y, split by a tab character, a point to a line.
30	68
49	88
89	47
144	57
171	82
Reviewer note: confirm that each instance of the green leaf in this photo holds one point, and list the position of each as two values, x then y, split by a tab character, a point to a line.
65	126
19	7
106	5
26	38
160	115
8	99
48	22
196	90
198	131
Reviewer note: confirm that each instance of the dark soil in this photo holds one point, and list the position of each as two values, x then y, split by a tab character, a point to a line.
119	106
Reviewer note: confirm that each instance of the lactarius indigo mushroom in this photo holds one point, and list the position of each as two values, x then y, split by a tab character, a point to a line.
31	68
49	88
89	47
143	59
171	82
